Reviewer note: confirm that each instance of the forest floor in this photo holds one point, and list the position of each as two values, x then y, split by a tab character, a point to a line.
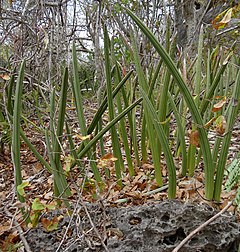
137	190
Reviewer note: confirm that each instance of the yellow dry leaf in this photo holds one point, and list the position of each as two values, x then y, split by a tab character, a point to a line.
210	122
5	77
227	17
84	137
220	125
225	20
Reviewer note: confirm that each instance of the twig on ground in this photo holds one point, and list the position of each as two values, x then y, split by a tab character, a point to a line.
93	226
73	214
189	237
227	30
20	231
69	225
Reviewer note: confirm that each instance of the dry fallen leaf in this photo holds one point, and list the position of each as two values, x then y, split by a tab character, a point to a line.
107	160
52	224
194	138
5	77
218	106
82	138
210	122
48	195
226	18
10	240
4	228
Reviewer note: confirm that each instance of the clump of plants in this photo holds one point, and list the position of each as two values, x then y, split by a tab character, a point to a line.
162	95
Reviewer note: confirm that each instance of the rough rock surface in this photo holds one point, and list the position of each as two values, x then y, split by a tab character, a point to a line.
155	227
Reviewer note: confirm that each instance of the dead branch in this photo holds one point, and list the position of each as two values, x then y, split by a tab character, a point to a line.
17	226
93	226
190	236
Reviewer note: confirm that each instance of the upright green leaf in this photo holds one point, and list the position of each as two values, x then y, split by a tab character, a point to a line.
56	150
119	166
80	111
208	163
234	106
16	130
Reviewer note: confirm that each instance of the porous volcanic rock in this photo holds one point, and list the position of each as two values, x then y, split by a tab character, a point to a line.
154	227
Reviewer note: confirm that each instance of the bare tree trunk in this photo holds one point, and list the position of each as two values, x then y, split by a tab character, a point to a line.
185	22
190	15
94	29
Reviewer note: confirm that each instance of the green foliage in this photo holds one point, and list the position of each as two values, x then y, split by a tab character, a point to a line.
20	188
189	101
54	148
233	178
216	88
4	55
121	51
38	208
119	166
86	75
5	132
16	141
80	112
168	108
233	173
232	112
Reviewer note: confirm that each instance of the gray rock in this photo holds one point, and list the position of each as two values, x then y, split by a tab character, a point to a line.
154	228
161	227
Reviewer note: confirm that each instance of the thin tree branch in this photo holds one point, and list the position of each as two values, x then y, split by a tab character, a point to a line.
190	236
